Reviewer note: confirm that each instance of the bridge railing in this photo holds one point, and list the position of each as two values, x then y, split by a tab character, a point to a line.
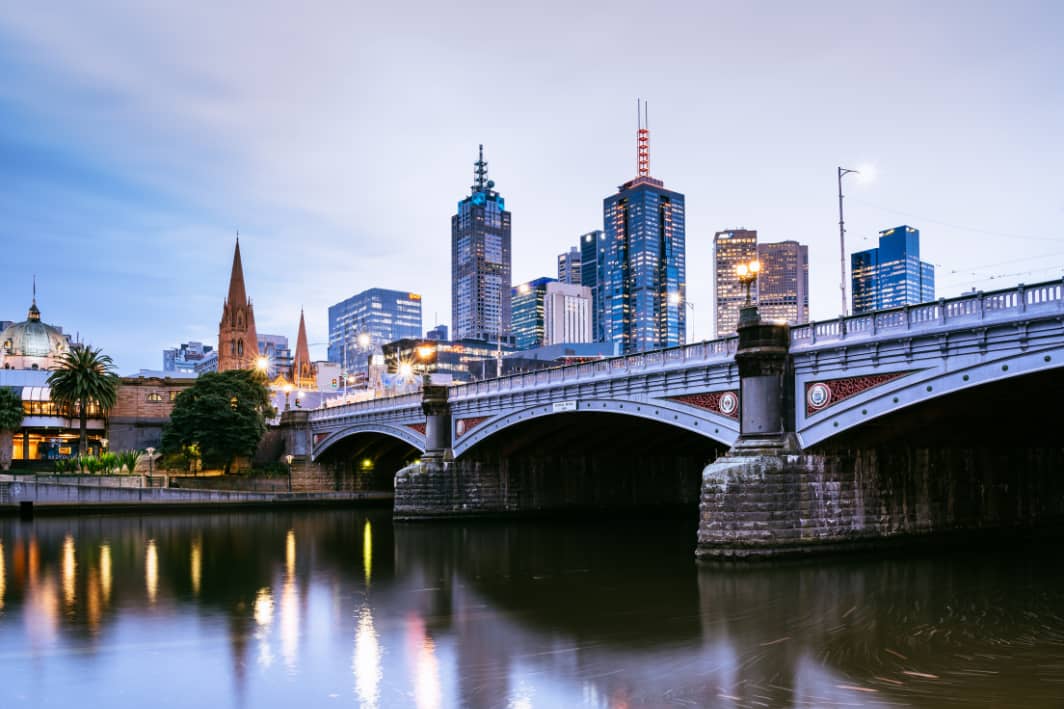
1040	297
386	402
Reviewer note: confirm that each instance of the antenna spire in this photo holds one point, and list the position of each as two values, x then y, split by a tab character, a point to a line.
642	138
480	172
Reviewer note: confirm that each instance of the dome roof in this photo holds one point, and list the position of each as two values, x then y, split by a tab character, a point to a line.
32	338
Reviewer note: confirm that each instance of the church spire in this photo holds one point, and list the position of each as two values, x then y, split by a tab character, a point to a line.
238	343
303	374
237	292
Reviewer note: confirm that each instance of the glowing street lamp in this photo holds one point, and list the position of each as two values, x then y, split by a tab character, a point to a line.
287	393
262	364
364	340
151	464
747	273
289	458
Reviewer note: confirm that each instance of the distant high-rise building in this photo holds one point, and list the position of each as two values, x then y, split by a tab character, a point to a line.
185	357
646	287
277	353
569	266
566	314
593	275
783	283
437	333
359	325
238	345
529	311
892	274
480	262
731	248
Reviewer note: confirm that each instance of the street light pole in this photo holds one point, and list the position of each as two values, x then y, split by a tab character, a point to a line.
842	240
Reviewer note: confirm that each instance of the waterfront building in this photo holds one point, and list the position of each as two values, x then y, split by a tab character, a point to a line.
593	275
783	283
184	358
238	345
452	361
646	287
892	274
304	374
731	248
359	325
569	266
528	311
480	262
566	314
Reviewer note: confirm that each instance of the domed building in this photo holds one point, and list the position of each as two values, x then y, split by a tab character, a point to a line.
32	344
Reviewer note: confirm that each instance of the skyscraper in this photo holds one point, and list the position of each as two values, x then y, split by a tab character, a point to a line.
238	345
646	288
569	268
783	283
359	325
731	248
480	262
528	304
593	275
566	314
892	274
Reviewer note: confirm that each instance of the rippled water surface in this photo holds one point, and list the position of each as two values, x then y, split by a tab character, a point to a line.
343	608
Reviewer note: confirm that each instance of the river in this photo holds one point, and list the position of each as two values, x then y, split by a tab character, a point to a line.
343	608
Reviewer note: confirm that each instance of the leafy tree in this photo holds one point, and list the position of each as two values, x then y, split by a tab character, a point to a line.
84	376
10	421
222	416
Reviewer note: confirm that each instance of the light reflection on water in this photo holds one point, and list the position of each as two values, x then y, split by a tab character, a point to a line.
503	615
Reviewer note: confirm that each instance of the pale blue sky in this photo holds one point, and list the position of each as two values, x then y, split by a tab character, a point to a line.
135	141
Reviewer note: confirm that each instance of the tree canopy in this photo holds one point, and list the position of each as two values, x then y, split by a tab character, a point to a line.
84	376
223	414
10	409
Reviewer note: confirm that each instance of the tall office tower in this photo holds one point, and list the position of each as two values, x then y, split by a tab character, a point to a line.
238	345
731	248
646	289
359	325
569	268
783	284
528	303
566	314
480	262
593	275
892	274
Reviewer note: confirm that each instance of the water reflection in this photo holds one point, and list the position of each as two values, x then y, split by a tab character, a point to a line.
488	615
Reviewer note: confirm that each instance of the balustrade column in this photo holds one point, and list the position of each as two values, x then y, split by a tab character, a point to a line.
437	422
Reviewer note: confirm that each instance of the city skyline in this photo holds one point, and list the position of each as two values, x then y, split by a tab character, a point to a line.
132	163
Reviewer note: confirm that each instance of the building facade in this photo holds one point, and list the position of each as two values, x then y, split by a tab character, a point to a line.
529	311
783	283
361	324
731	248
892	274
566	314
480	263
569	266
238	344
184	358
453	361
593	253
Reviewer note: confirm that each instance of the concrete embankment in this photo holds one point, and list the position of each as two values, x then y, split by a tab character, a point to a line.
50	496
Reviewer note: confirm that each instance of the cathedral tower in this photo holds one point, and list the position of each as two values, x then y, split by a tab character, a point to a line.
238	344
304	373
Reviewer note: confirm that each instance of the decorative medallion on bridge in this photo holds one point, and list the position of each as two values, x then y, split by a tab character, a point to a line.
465	425
419	427
725	403
821	395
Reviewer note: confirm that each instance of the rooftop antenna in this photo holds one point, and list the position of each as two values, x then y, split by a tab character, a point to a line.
642	137
35	289
480	174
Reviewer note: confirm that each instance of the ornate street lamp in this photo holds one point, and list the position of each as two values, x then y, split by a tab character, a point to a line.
747	274
151	464
287	393
289	458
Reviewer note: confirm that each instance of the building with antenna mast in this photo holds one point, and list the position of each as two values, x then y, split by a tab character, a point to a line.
480	263
644	304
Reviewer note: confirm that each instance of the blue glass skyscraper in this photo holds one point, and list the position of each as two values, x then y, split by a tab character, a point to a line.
892	274
480	262
645	281
593	275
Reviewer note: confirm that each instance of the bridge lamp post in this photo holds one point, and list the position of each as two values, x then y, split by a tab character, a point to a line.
747	274
866	173
426	356
287	394
289	458
676	299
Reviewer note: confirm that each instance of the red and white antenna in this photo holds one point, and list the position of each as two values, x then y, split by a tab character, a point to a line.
642	138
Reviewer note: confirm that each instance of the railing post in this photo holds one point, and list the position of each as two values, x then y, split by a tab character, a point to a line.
908	318
1021	298
982	305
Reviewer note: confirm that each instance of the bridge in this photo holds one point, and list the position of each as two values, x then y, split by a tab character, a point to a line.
808	389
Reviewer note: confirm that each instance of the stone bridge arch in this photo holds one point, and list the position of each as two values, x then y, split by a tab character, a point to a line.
411	435
469	431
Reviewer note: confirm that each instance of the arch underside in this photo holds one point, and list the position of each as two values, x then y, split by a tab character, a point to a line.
397	432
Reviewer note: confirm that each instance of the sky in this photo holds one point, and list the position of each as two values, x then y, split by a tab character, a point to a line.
137	139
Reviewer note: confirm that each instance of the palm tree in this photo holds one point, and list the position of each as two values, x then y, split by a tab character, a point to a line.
84	376
10	421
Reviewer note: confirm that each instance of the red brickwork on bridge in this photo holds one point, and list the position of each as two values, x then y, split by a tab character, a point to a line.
725	403
465	425
825	394
419	427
